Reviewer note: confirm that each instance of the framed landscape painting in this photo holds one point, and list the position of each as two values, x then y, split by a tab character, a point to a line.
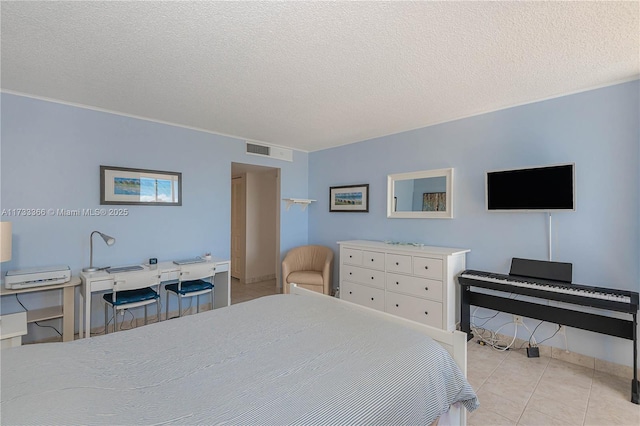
120	185
349	198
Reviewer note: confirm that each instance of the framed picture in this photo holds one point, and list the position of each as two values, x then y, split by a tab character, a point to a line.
350	198
119	185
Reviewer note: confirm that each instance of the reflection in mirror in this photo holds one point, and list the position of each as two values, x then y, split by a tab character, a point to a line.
426	194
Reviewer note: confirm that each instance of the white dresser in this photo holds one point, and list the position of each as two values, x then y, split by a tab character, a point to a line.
417	283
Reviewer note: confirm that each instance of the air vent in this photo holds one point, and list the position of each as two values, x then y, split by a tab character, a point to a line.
257	149
264	150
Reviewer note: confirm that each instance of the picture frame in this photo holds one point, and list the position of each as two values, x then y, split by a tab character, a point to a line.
121	185
349	198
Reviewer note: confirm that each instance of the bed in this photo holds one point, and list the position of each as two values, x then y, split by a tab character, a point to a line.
300	358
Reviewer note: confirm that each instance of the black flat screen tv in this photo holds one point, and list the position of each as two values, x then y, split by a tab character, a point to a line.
544	188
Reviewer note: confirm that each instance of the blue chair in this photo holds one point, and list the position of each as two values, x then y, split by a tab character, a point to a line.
131	291
192	281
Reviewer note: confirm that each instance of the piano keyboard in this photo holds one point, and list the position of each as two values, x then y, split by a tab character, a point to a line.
554	284
546	285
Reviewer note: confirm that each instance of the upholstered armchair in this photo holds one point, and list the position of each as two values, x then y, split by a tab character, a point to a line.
309	267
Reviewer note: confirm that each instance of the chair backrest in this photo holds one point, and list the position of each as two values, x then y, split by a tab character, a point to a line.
197	271
133	281
308	258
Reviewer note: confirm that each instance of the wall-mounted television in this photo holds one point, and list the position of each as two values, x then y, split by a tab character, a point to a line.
542	189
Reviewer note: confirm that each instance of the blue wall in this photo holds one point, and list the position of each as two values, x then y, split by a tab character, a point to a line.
51	155
597	130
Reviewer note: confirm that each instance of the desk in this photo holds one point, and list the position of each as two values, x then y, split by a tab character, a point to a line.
101	281
66	311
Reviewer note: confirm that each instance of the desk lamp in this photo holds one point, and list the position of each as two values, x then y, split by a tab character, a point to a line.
5	241
107	239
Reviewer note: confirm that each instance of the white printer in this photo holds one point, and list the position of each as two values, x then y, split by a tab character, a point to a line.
36	277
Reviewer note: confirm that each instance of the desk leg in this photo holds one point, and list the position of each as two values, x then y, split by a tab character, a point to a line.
81	315
85	313
68	313
222	289
465	312
635	385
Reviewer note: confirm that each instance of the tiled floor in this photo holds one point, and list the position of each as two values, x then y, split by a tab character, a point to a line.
516	390
241	292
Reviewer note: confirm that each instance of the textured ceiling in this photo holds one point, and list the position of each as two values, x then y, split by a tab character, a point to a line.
311	75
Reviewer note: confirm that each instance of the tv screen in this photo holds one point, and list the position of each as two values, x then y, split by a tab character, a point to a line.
546	188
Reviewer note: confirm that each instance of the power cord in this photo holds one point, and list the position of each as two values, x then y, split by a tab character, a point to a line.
185	311
36	322
493	340
556	332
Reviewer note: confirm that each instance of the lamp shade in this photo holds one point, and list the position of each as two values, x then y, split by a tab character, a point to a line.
5	241
107	239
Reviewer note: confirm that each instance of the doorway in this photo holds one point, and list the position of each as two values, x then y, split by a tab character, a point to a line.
255	231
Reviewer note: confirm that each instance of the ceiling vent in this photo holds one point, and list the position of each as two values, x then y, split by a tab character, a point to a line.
264	150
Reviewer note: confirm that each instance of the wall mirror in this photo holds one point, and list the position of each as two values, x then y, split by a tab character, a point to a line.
425	194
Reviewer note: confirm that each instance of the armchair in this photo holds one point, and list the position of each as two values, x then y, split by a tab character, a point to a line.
308	266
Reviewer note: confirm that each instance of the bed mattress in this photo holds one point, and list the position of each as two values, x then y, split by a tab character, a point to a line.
284	359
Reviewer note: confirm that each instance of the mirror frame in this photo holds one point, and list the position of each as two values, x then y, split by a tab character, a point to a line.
392	179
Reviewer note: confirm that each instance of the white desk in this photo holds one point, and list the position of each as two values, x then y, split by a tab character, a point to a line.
101	281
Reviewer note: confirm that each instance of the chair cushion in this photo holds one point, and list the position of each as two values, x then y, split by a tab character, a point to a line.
131	296
316	288
189	286
305	277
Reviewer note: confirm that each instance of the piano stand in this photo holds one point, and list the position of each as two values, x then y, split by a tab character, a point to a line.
626	329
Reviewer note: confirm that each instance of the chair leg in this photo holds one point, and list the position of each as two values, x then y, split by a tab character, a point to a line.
106	319
211	293
115	319
179	305
158	308
145	314
166	308
197	304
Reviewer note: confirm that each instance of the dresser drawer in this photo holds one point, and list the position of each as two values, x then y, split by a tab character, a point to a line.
399	263
362	295
421	287
423	311
351	256
427	267
363	276
373	259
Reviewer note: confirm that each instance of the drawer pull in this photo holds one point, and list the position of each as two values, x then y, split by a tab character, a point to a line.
372	260
426	313
372	298
426	288
397	264
397	283
371	277
350	273
426	267
397	306
350	256
350	292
